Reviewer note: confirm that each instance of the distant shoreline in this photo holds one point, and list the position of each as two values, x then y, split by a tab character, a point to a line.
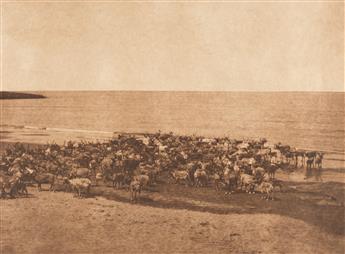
17	95
182	91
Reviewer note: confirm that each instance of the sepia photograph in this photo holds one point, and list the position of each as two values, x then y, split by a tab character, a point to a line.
172	126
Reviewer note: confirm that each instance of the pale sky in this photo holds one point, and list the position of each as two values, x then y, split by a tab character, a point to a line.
173	46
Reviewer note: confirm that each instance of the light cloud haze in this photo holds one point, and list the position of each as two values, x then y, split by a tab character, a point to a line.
173	46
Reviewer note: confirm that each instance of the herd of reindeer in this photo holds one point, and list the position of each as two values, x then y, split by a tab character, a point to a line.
137	161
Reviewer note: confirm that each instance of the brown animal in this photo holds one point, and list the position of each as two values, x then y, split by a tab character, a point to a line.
200	178
44	178
311	155
60	184
271	170
310	163
258	173
21	187
107	166
9	183
318	169
231	180
118	180
153	174
318	160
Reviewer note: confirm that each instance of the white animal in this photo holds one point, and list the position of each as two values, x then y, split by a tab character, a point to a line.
266	188
247	183
142	179
99	177
80	186
135	189
180	175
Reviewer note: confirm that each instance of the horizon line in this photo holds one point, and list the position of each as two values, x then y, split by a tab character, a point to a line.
215	91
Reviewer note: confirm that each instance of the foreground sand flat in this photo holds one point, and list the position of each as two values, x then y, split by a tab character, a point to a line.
58	223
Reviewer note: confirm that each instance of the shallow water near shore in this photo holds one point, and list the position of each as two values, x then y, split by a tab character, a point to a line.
301	119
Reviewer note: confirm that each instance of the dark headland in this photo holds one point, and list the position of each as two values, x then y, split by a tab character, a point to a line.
15	95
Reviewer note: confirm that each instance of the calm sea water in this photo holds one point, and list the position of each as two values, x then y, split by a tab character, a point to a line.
306	120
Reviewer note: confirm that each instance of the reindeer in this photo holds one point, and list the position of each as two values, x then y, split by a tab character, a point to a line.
300	153
318	169
318	159
310	162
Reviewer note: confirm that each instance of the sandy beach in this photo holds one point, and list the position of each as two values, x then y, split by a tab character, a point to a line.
59	223
172	218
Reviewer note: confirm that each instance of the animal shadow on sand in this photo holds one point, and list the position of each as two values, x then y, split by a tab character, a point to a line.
320	204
